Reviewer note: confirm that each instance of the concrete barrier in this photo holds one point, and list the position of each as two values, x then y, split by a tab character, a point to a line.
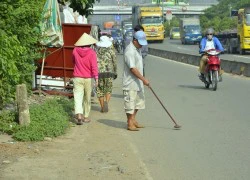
233	67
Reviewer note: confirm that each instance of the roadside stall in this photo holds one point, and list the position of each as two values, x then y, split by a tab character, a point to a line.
56	68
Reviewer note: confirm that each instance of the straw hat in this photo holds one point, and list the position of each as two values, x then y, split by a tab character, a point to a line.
104	42
85	40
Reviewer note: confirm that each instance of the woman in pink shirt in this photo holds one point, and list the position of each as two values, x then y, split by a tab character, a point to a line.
85	68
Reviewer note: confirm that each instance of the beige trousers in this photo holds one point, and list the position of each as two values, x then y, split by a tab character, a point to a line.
82	96
203	63
133	100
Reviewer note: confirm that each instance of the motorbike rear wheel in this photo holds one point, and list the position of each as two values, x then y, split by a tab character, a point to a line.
119	48
215	78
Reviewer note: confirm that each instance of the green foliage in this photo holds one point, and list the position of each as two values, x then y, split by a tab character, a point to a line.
19	20
218	16
82	6
49	119
8	122
169	24
242	4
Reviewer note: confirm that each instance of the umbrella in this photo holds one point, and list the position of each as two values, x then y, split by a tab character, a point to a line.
51	25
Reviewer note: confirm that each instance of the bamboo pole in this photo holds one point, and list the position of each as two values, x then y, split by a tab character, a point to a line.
40	81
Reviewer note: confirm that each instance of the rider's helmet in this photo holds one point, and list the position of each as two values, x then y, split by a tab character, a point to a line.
210	33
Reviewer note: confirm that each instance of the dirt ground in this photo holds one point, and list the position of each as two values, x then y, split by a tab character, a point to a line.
101	149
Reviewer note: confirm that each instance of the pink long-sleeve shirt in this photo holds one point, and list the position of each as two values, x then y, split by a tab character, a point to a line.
85	63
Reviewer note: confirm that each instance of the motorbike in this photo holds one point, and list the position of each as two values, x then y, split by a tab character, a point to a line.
118	45
211	76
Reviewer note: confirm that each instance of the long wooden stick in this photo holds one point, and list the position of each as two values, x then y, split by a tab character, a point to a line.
176	125
40	82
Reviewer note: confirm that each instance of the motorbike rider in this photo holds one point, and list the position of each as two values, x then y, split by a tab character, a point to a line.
208	42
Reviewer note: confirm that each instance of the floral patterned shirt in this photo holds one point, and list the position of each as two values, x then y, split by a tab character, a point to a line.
107	63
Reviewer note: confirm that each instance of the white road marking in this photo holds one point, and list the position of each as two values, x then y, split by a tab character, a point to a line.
136	152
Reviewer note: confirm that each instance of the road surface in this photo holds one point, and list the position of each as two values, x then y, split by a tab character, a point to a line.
213	143
214	140
176	46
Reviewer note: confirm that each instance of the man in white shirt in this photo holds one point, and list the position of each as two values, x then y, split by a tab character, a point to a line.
133	80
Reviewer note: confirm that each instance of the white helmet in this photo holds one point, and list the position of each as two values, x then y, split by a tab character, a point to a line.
210	31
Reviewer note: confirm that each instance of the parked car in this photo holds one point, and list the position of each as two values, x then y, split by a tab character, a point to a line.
174	33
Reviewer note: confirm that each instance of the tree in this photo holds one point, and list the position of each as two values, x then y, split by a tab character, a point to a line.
242	4
84	7
19	34
169	24
218	16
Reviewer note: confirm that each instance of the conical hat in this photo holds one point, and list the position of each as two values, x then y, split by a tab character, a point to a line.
85	40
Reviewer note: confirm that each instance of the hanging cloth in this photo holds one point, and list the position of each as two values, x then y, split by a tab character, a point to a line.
51	25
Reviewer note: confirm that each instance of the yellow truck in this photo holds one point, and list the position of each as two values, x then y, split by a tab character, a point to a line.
243	30
238	40
151	19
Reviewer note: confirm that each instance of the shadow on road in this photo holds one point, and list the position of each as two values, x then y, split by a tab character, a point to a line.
117	95
192	86
95	108
161	127
113	123
123	125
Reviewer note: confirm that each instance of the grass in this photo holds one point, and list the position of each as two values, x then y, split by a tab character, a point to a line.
48	119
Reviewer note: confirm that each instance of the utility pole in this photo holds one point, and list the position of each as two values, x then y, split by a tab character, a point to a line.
119	16
162	11
160	4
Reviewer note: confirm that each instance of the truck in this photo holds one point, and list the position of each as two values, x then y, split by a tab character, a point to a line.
126	25
190	30
238	40
150	17
108	24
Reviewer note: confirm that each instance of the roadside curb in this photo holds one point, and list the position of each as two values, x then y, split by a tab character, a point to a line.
233	67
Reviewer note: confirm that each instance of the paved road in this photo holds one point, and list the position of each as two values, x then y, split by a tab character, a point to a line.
213	143
176	46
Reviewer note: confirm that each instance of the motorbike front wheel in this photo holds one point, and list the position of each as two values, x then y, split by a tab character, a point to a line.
215	78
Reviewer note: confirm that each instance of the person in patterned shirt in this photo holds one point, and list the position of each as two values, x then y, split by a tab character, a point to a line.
107	66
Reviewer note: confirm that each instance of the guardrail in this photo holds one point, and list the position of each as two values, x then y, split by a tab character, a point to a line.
176	10
233	67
